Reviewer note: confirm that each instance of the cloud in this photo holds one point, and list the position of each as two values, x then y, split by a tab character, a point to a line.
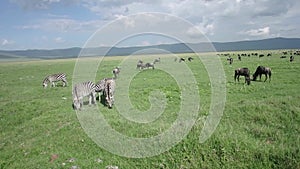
59	40
259	32
6	42
41	4
64	25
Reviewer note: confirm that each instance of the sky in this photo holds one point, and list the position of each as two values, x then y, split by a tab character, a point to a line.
56	24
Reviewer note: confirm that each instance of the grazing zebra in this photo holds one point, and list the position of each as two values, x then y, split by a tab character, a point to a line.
109	91
54	78
242	72
140	65
100	87
156	61
148	65
81	90
116	72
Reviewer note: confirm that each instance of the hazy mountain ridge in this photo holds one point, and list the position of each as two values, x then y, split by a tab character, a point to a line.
264	44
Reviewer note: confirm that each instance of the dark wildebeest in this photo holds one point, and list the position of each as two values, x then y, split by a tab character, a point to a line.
282	57
181	60
239	58
190	59
291	58
230	60
261	55
242	72
262	70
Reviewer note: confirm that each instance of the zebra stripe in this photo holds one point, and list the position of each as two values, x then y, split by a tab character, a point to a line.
100	87
81	90
109	91
148	65
55	78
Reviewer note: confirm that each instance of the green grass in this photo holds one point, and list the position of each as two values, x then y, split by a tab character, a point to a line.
259	128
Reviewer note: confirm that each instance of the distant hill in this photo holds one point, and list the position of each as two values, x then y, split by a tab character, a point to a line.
264	44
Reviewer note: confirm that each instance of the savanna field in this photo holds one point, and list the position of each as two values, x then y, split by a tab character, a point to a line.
260	126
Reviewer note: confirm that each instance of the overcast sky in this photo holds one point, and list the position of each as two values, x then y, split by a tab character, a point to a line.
48	24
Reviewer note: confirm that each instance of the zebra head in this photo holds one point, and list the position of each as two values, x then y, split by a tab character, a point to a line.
110	101
76	104
45	84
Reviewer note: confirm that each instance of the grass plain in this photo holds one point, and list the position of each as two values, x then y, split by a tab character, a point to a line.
259	128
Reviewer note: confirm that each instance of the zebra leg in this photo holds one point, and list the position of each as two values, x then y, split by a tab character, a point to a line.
94	97
90	99
65	83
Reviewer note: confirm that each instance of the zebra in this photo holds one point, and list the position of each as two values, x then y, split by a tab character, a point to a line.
81	90
140	65
116	72
156	61
54	78
100	85
109	91
148	65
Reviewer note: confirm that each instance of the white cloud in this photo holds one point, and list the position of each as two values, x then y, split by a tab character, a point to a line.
259	32
64	25
59	40
5	42
41	4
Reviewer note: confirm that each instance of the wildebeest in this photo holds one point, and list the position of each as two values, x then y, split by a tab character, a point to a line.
242	72
262	70
239	58
190	59
181	60
230	60
291	58
282	57
261	55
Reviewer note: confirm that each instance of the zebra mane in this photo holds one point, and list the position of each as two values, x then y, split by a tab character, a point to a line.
46	80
